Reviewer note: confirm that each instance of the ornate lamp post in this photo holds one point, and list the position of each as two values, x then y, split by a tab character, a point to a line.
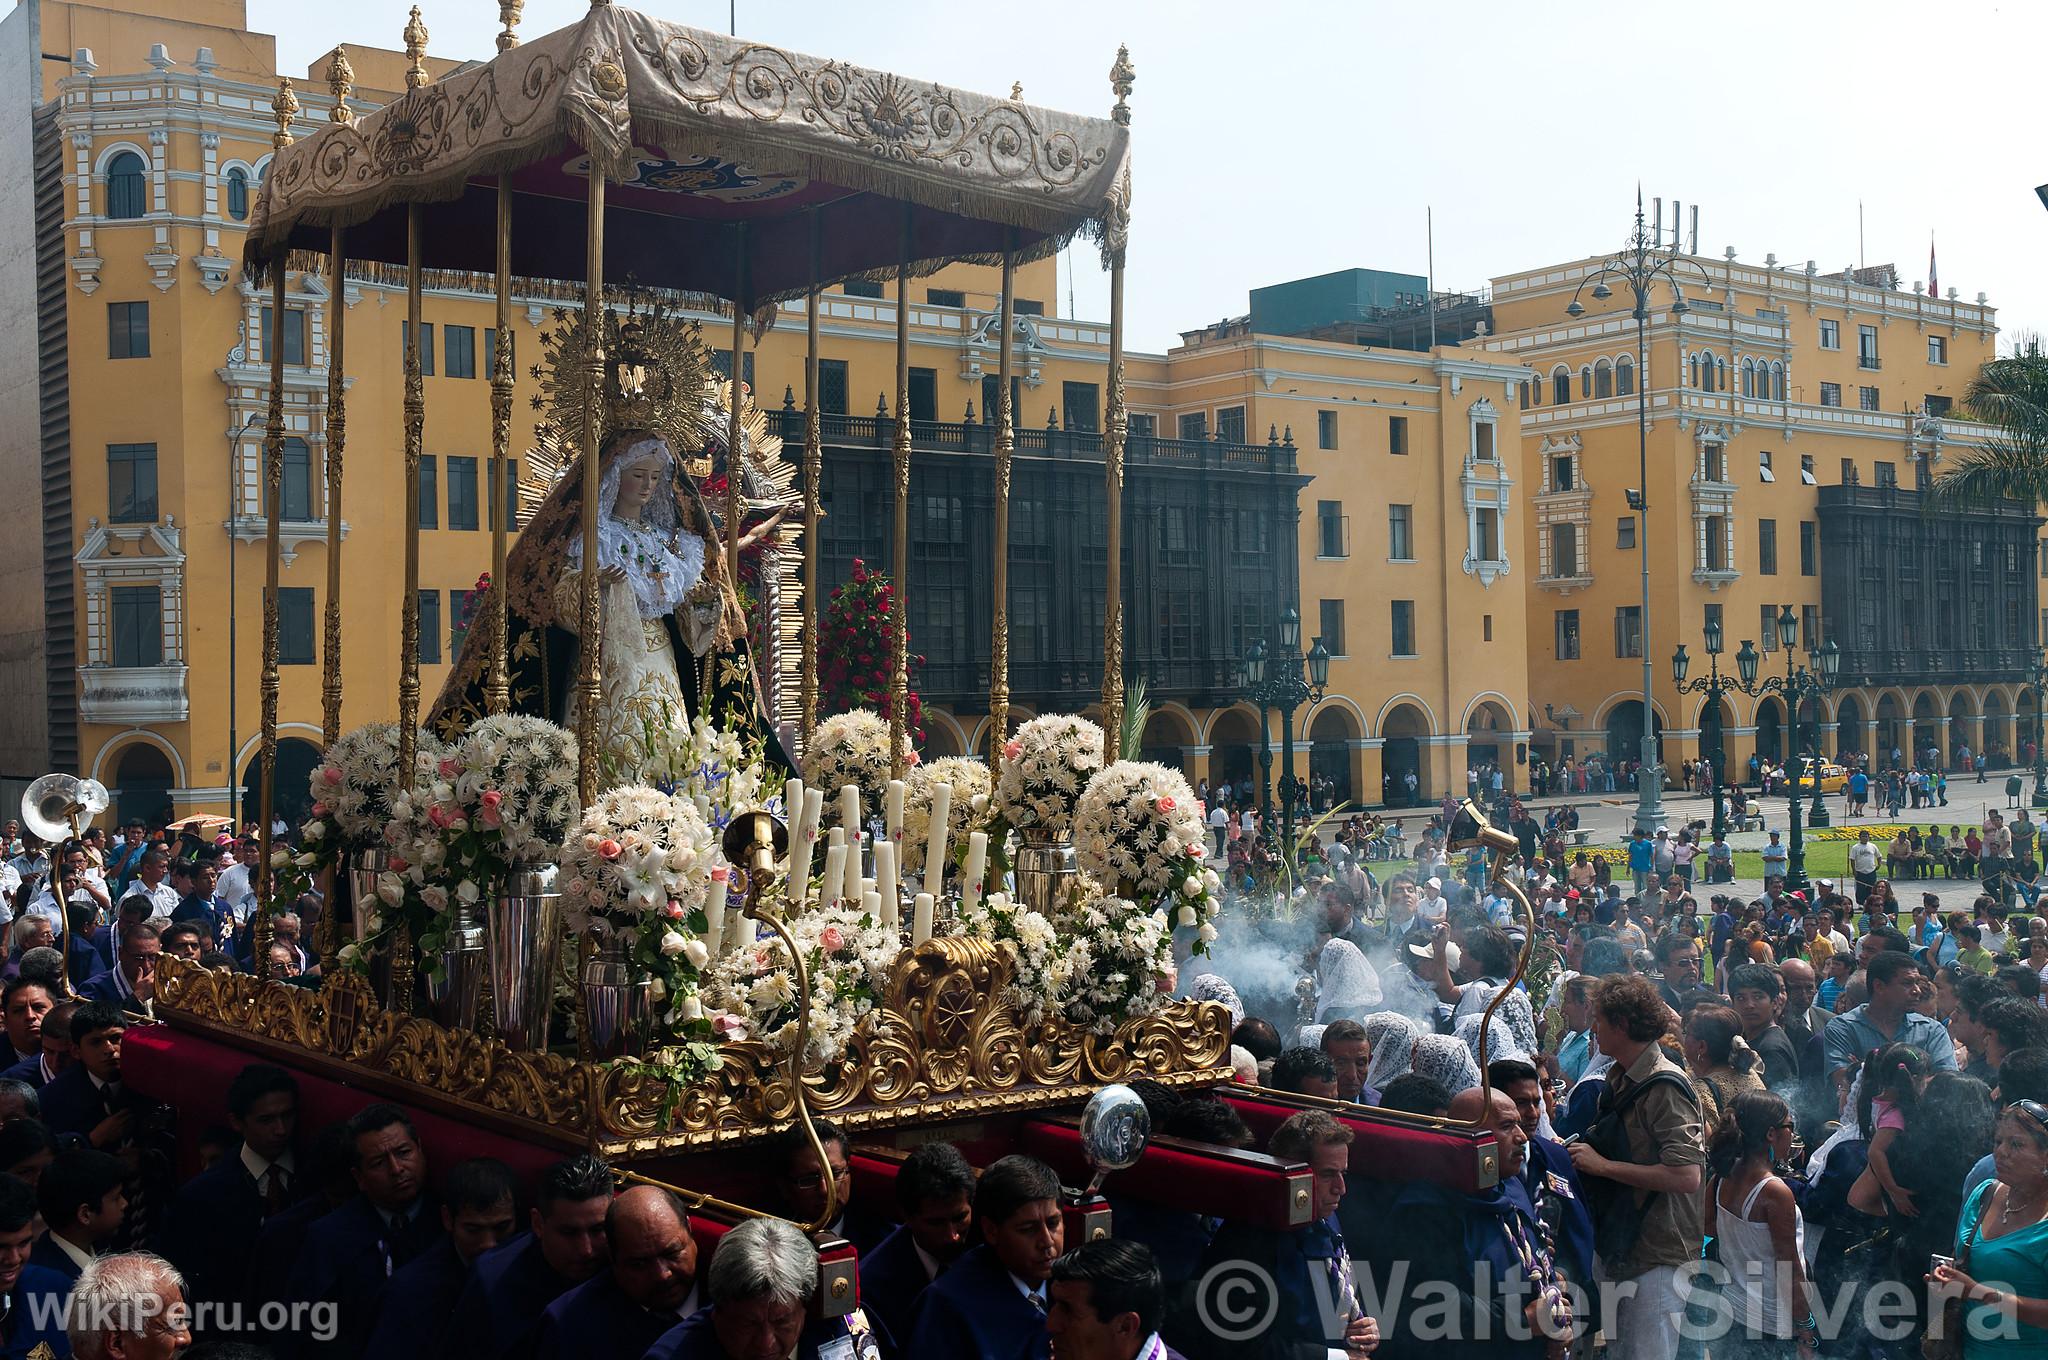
1799	684
1714	687
1640	265
1286	681
2037	681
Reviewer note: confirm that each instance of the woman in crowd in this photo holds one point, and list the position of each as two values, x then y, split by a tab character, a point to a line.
1720	1060
1445	1060
1390	1039
1756	1222
2001	1245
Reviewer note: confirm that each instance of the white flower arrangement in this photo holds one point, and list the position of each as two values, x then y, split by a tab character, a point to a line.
513	779
1138	825
751	992
636	858
852	748
1122	957
973	791
1045	962
720	770
1046	765
358	789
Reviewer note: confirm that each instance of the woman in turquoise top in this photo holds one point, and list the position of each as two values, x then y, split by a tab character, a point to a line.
2005	1224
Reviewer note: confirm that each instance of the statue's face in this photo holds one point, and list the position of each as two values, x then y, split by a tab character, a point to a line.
637	485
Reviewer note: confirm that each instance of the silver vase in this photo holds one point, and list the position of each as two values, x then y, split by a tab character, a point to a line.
522	939
618	1002
451	993
1046	871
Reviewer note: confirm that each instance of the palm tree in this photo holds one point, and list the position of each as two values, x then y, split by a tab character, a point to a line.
2012	395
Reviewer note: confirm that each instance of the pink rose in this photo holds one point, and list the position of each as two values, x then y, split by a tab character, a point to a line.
491	798
490	818
1165	803
438	816
319	809
607	848
830	940
720	874
450	767
331	774
674	910
729	1027
1012	749
399	864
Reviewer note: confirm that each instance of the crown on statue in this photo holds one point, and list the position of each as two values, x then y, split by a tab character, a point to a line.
655	370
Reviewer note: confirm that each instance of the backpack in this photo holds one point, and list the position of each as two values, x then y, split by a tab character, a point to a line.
1618	1210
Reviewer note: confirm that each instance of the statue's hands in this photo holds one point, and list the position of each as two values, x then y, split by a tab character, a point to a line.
763	529
611	576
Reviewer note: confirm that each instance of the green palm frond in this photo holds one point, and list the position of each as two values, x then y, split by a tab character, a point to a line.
1999	469
1137	712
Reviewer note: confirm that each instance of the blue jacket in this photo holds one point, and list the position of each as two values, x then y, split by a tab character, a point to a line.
51	1257
23	1330
211	1233
29	1070
1452	1242
102	987
1557	1180
975	1312
413	1319
596	1321
347	1260
509	1288
694	1339
891	1278
1299	1315
73	1105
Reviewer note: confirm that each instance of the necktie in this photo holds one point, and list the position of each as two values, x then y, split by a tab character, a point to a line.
1037	1302
275	1190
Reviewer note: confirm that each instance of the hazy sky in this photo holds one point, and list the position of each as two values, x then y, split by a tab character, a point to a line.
1289	138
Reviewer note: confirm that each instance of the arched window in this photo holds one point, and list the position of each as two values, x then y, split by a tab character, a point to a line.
1778	381
1720	383
238	194
1560	385
1603	379
1693	364
1586	383
1749	378
1624	376
125	186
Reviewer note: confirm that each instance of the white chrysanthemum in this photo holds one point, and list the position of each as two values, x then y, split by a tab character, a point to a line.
850	748
968	812
1044	767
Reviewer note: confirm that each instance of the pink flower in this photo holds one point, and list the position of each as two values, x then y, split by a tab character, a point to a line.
490	818
399	864
319	809
438	815
720	874
729	1027
1165	803
331	774
674	910
830	940
450	767
491	798
607	848
1012	749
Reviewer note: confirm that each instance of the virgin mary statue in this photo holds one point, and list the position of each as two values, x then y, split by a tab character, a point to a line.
673	637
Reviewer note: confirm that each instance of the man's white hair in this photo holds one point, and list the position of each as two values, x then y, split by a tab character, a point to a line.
764	1258
118	1296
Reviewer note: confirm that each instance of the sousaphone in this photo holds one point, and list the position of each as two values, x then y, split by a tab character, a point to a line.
52	808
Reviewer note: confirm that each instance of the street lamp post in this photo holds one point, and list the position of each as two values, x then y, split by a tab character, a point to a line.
1714	687
1284	680
1640	265
1798	685
2037	680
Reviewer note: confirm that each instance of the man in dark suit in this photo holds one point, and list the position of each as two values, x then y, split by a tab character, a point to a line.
217	1215
131	982
1312	1309
21	1329
1106	1302
649	1287
82	1200
352	1252
477	1209
327	1184
935	1191
56	1055
1548	1176
87	1099
762	1279
23	1005
512	1285
991	1305
800	1183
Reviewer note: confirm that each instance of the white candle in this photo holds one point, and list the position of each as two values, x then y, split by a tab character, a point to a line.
976	866
792	804
885	882
921	919
935	847
849	812
714	910
835	866
803	842
868	885
892	809
871	906
850	887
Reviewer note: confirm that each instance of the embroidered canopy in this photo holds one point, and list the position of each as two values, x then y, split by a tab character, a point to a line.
698	133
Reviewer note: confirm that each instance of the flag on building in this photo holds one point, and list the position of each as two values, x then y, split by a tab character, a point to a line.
1933	274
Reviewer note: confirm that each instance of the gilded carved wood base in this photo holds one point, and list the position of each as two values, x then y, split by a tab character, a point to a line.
942	1044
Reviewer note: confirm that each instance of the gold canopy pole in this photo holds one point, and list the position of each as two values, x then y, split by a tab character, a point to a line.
1005	446
735	460
497	685
899	642
814	470
286	107
1121	77
340	81
590	617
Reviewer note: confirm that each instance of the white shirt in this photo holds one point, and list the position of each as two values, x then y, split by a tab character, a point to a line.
81	1257
163	899
931	1263
1035	1294
258	1168
237	888
1863	857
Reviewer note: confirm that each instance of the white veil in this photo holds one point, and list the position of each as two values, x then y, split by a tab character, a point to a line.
662	563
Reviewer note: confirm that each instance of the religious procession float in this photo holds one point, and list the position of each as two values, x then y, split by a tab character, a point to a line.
621	887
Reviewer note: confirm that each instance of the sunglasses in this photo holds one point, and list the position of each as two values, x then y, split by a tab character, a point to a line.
2032	1109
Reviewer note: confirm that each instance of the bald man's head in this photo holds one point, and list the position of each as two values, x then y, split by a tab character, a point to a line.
654	1257
1496	1111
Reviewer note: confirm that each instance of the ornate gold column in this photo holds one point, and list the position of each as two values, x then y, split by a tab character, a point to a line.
497	685
735	460
1121	77
899	643
814	472
1005	446
589	621
286	107
340	81
415	418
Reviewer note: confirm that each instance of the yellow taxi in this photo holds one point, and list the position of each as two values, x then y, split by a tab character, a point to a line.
1832	776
